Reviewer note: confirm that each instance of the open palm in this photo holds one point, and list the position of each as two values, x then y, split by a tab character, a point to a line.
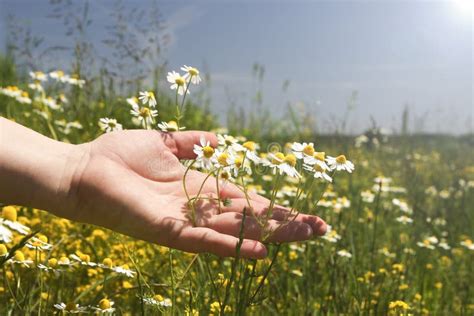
132	182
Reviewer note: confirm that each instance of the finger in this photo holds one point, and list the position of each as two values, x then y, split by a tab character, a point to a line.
279	213
182	143
272	230
203	239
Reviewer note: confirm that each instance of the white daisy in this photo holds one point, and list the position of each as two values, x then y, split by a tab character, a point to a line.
468	244
51	103
5	234
344	253
16	226
145	114
109	125
177	81
133	101
58	75
204	153
70	308
303	151
38	75
105	307
249	149
340	163
318	172
124	270
36	86
170	126
192	73
285	164
147	97
84	260
38	244
404	219
24	98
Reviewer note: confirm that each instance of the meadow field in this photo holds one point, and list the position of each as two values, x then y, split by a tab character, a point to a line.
401	223
400	205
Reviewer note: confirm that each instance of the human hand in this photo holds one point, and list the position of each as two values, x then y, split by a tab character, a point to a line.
132	182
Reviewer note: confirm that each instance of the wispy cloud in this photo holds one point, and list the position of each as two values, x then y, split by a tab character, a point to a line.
182	18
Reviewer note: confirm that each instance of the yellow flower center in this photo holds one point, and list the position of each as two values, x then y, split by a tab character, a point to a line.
308	150
3	250
341	159
145	112
24	94
180	81
107	262
278	158
222	159
159	298
64	260
468	242
225	175
19	256
43	238
290	159
9	213
207	151
85	258
60	73
320	155
249	145
111	124
193	71
238	162
151	95
53	262
104	304
318	168
71	306
172	126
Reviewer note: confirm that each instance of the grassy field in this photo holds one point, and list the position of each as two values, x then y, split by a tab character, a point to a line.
400	243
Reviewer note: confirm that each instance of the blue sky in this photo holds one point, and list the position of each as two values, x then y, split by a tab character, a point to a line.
393	53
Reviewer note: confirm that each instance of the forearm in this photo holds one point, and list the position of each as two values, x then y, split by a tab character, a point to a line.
35	170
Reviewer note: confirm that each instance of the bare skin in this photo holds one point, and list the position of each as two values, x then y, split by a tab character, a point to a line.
132	183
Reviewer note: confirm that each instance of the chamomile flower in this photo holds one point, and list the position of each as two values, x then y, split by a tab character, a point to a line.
109	125
284	164
105	306
170	126
124	270
223	159
404	219
38	75
144	114
9	219
249	149
205	153
133	101
73	80
428	243
36	86
58	75
331	235
19	258
178	82
147	97
39	243
340	163
5	234
468	244
192	73
318	172
70	308
51	103
24	98
3	251
344	253
83	259
304	151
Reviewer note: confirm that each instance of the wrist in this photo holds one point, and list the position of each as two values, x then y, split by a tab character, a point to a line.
37	171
